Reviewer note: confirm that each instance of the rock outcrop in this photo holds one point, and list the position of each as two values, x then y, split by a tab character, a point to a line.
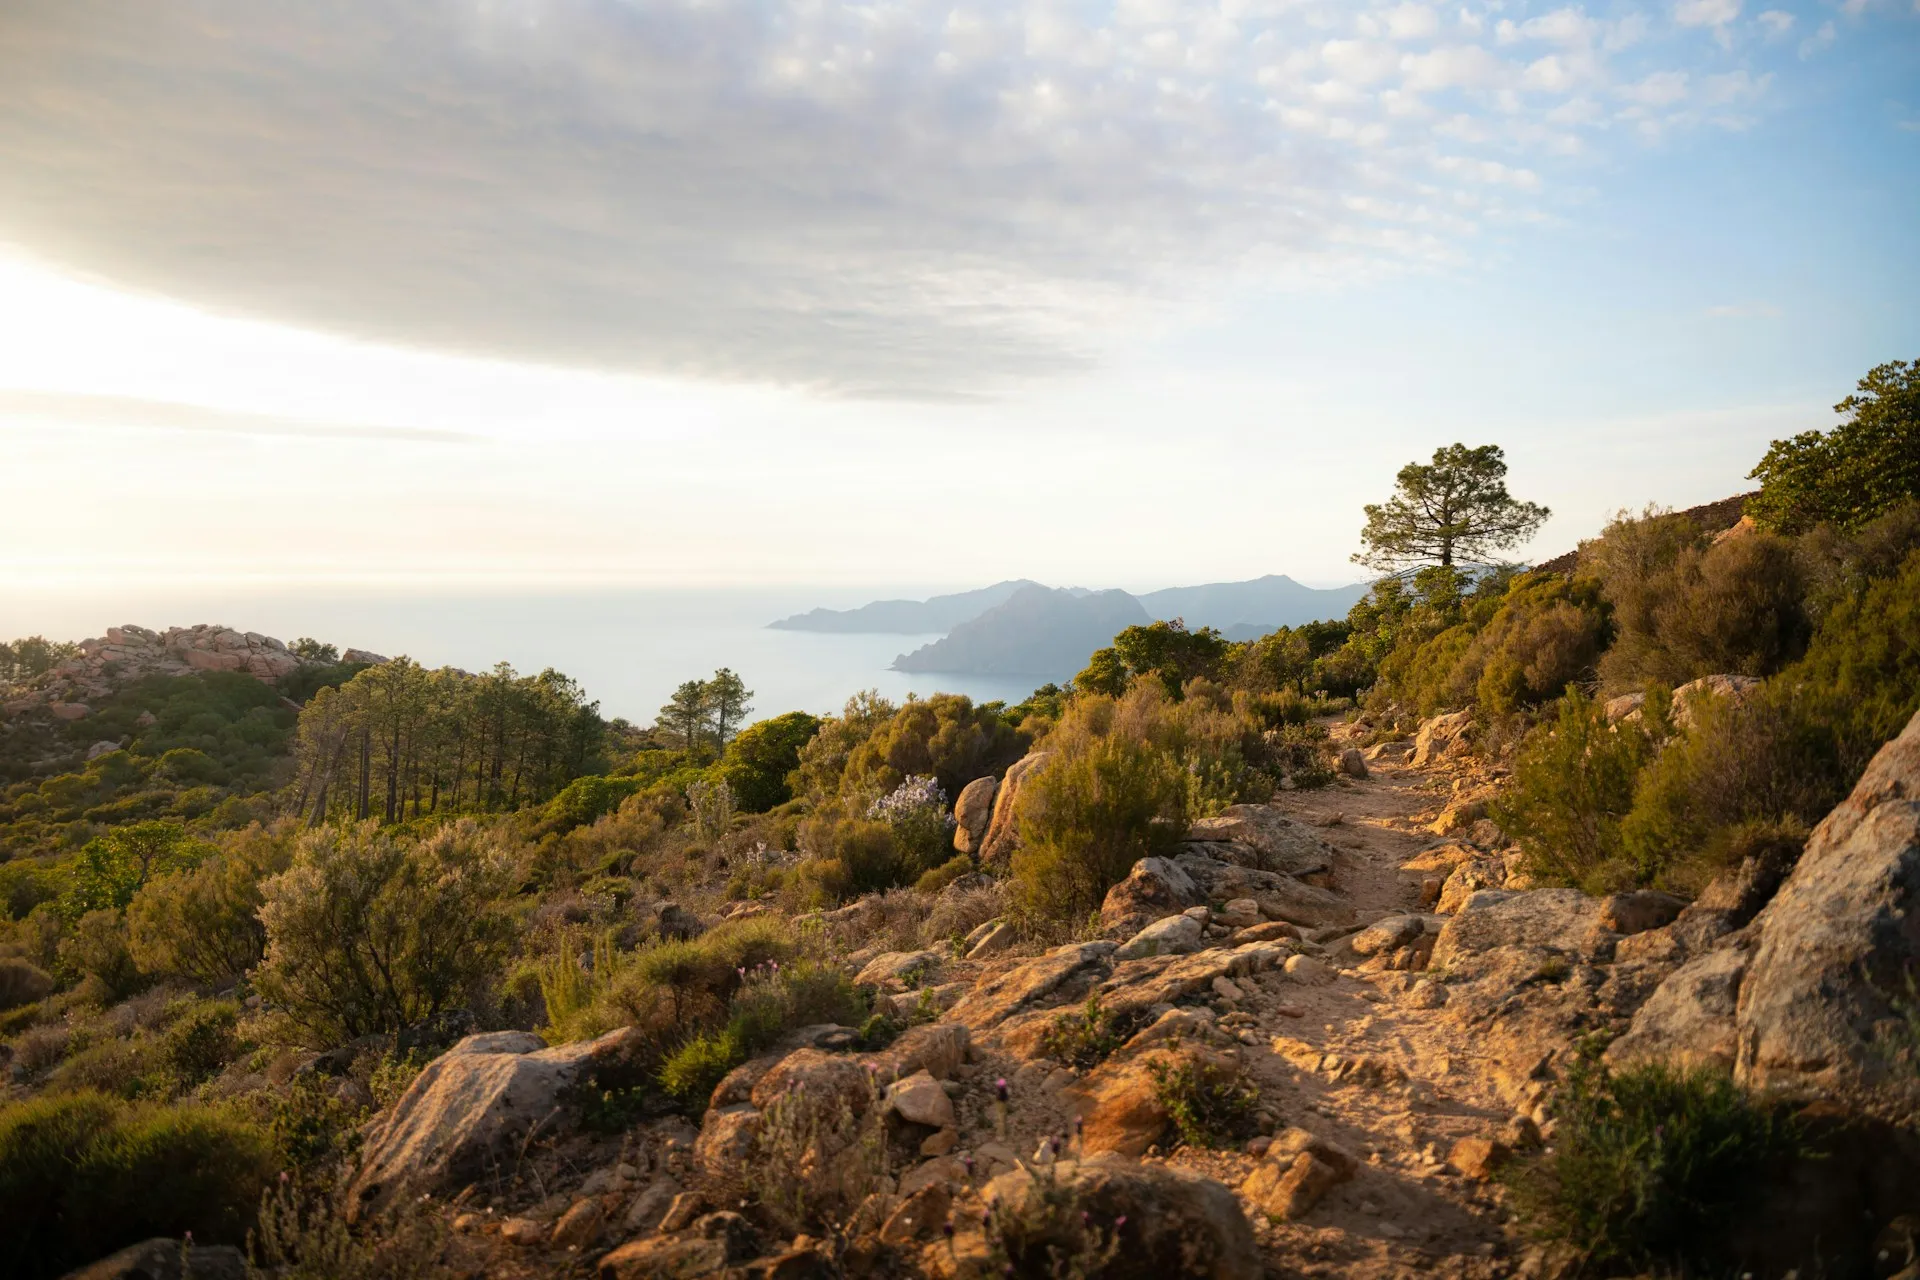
973	813
470	1104
1797	996
1003	831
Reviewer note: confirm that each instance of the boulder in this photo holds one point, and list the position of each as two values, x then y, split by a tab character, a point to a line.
1439	736
1840	940
1480	871
1689	1018
1171	936
1003	829
1139	985
1387	936
1353	763
1290	1189
1156	887
488	1094
1626	706
1060	971
1560	920
1280	896
102	748
904	968
1176	1223
919	1099
1259	836
1636	912
973	813
992	938
1688	697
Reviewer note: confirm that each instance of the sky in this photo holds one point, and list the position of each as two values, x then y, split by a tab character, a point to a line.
496	293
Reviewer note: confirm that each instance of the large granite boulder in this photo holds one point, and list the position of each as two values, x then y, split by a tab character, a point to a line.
1831	954
1441	736
1154	889
1003	830
972	813
485	1096
1261	837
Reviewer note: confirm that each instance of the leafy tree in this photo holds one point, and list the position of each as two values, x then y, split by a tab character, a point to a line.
761	756
112	868
1455	508
314	650
1165	650
366	935
1861	468
727	695
204	923
685	713
35	655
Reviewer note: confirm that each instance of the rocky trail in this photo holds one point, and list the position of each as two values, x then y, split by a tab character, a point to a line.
1365	955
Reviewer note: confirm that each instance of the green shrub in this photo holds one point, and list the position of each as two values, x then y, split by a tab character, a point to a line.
849	856
873	746
690	1073
1684	608
585	799
125	1068
1087	1037
946	873
1573	786
201	1041
203	924
97	954
1849	475
22	982
315	1132
1050	1231
365	934
1088	815
762	755
1649	1165
82	1175
1206	1105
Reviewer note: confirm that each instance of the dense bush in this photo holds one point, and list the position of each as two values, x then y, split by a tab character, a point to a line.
761	756
1573	786
204	924
585	799
873	746
1088	815
367	934
1684	607
1649	1166
82	1175
1207	1104
1164	651
96	954
1851	474
22	982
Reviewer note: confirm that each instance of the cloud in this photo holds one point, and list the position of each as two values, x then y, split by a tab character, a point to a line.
1776	23
915	198
67	409
1819	40
1706	13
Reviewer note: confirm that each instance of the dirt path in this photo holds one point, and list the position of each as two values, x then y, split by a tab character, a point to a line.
1358	1060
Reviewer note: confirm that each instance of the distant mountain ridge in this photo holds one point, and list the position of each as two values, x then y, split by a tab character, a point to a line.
1047	632
1039	631
905	617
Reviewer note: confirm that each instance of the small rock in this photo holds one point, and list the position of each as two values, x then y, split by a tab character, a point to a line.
939	1144
1307	970
1291	1190
919	1099
1479	1158
1387	935
579	1226
523	1231
999	938
1171	936
1226	989
680	1214
650	1206
1427	994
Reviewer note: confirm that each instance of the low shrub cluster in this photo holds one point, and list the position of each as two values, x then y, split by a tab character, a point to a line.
1650	1166
1207	1105
83	1174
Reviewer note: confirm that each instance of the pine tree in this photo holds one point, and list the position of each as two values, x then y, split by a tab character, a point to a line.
1455	508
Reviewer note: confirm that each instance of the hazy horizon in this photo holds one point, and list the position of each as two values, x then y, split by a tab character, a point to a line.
602	291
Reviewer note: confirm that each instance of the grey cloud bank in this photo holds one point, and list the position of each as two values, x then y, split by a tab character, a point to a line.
902	199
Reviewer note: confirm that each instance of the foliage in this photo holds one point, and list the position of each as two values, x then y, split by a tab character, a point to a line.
1649	1165
1684	607
847	856
691	1072
22	982
946	736
31	656
367	934
762	755
204	923
1166	651
1088	815
586	799
1455	508
114	867
96	951
303	1235
201	1040
710	801
1207	1104
82	1175
398	741
916	810
843	1149
1573	786
1087	1037
1861	468
1049	1232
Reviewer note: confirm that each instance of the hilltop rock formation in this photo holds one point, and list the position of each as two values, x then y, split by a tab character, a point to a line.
129	653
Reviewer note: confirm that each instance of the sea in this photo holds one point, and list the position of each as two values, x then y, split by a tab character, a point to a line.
629	648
